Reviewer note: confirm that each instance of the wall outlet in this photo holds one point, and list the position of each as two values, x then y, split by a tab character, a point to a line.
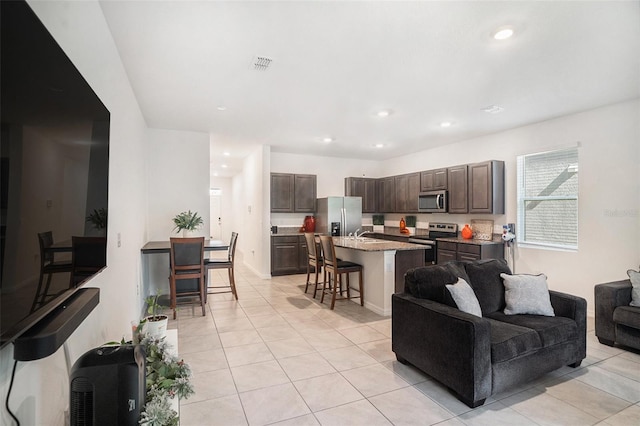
119	240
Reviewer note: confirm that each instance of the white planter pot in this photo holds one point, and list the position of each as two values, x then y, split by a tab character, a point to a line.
157	328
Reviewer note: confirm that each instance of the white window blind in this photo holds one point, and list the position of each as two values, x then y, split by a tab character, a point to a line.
548	199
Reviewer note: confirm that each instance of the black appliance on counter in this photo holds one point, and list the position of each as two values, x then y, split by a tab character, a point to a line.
335	229
436	230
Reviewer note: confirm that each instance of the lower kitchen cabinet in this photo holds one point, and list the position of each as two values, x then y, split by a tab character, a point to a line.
448	250
288	255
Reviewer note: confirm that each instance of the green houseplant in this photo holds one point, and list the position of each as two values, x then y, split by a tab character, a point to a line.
155	324
166	377
187	221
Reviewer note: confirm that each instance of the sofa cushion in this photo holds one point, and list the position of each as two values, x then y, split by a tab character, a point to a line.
484	278
634	277
429	282
627	315
464	297
552	330
526	294
509	341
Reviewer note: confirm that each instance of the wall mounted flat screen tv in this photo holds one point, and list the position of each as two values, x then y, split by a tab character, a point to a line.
54	168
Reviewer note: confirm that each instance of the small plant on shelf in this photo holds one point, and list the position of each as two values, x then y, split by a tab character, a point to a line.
187	221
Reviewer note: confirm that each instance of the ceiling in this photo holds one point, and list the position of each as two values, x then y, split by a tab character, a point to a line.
335	65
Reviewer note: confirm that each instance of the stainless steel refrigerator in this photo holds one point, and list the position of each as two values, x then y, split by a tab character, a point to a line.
345	212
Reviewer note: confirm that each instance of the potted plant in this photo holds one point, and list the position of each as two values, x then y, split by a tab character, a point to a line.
98	218
378	223
187	222
154	324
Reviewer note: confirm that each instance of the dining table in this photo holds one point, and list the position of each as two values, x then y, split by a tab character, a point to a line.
156	247
155	263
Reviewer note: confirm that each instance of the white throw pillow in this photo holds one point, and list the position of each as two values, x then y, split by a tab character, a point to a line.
634	276
527	294
465	298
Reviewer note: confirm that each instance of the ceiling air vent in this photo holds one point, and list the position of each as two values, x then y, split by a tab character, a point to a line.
261	63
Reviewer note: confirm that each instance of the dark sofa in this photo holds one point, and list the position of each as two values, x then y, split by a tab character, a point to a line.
616	321
473	356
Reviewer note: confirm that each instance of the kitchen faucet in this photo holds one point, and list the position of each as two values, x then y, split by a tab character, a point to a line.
363	232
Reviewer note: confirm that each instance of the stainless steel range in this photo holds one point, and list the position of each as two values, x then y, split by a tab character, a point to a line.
436	230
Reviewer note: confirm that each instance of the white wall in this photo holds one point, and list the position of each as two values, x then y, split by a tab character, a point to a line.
250	193
609	194
40	393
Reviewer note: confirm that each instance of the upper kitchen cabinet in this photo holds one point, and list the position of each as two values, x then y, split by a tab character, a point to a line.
477	188
457	184
407	189
386	189
433	180
305	193
293	193
486	187
364	188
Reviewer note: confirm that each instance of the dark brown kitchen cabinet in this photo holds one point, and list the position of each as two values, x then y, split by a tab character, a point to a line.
448	250
433	180
407	188
288	255
364	188
292	193
386	195
457	184
282	192
486	187
305	193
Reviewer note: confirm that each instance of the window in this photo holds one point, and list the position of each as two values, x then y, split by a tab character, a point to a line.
548	199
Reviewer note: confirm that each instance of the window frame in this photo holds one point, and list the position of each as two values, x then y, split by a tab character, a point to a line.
522	200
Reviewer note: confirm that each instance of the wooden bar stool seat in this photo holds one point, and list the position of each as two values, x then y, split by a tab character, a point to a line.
315	261
336	268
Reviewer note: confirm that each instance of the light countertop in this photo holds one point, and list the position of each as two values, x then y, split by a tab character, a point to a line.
374	244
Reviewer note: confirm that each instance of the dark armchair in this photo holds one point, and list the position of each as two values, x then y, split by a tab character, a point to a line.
616	321
473	356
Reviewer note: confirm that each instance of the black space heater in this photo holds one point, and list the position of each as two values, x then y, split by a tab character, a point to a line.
107	386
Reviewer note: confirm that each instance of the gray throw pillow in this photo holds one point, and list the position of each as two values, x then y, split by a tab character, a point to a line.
527	294
634	276
465	298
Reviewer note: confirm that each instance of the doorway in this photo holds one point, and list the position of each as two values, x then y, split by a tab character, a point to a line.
215	218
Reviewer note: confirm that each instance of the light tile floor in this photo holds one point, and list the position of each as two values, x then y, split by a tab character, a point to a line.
277	356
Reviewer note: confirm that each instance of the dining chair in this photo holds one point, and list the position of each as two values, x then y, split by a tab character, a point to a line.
228	264
48	266
187	271
314	260
88	256
336	268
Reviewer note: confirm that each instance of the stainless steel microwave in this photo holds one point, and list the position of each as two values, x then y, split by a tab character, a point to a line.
433	202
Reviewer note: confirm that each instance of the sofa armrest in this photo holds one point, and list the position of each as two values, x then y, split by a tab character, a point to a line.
450	345
574	307
608	297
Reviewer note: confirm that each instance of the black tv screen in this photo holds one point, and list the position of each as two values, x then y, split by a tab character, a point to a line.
55	167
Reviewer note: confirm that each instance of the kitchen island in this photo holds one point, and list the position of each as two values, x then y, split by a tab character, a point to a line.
384	264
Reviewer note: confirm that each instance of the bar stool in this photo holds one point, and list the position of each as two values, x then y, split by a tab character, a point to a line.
187	264
338	267
228	264
314	259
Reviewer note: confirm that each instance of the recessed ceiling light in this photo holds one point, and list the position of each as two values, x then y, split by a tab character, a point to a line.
226	154
384	113
221	108
379	145
445	124
224	166
493	109
503	33
328	139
